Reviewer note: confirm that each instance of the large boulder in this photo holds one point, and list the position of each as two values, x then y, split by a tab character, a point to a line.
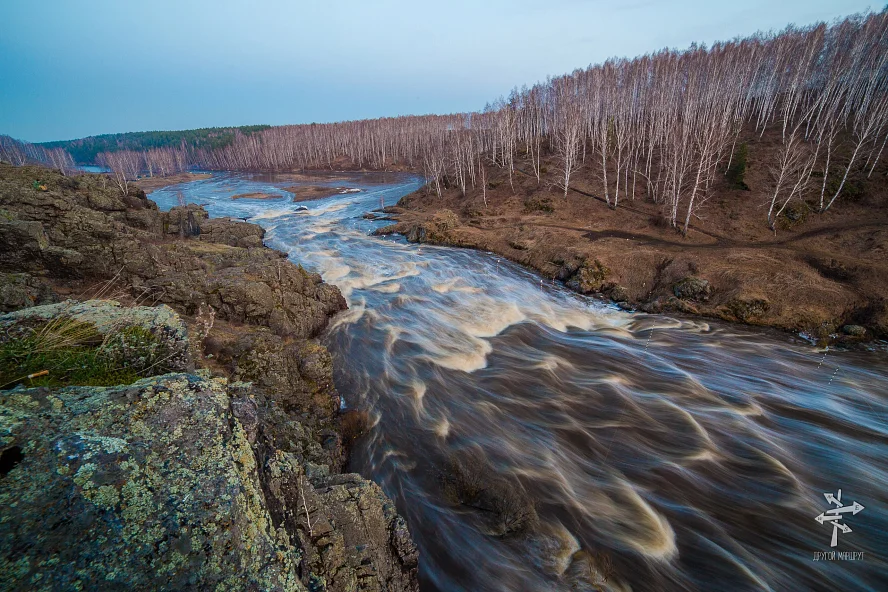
178	481
96	343
748	309
235	234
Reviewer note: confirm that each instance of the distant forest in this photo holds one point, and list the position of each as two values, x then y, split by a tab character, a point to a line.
86	150
661	126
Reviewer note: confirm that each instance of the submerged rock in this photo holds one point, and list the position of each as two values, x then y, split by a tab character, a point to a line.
854	330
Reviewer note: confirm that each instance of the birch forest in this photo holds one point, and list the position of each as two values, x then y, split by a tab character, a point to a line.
660	127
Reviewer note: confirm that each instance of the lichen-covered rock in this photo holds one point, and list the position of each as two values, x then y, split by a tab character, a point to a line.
21	290
854	330
299	372
182	481
21	244
149	486
662	304
618	294
692	288
370	548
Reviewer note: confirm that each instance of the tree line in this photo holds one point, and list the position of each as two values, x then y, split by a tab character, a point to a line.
86	150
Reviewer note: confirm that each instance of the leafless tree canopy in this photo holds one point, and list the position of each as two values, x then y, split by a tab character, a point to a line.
21	153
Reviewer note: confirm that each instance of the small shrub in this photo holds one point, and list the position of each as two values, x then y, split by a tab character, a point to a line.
794	214
445	219
659	221
538	205
853	189
469	480
471	211
737	170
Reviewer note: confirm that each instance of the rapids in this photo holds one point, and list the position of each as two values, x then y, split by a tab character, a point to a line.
693	454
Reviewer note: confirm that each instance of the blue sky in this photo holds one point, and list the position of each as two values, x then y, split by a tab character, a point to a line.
75	68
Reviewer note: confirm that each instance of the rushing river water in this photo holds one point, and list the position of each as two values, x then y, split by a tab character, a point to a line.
695	455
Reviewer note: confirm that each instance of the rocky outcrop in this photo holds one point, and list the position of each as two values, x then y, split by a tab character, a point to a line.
80	230
748	309
225	478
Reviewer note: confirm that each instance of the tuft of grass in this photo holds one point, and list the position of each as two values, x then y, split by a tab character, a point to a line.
68	352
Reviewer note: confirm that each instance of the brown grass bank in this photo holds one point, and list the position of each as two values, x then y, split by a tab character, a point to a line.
823	274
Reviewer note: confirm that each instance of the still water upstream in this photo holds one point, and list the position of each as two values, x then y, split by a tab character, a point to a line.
694	455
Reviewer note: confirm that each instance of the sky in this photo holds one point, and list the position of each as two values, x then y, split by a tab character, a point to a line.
72	69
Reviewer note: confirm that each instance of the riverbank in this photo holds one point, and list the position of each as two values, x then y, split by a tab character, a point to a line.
824	275
216	444
312	192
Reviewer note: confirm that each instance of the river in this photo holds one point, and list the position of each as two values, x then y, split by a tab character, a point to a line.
661	453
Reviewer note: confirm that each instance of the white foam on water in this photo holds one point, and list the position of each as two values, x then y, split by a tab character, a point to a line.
387	288
442	428
335	272
451	286
350	316
553	363
649	533
466	361
314	212
271	213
